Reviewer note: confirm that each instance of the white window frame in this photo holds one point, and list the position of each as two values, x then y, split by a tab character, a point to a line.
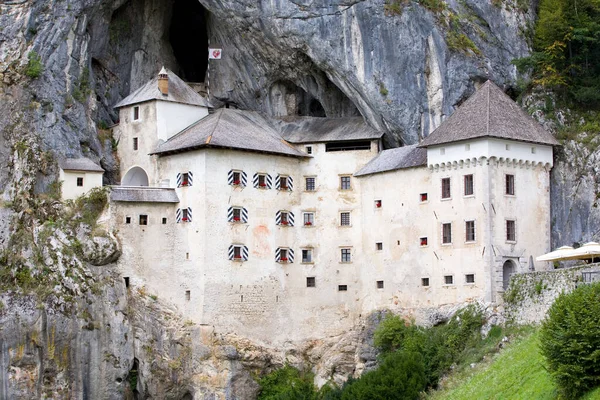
304	222
314	189
342	249
474	231
449	284
442	233
349	219
465	186
426	240
350	187
421	201
514	220
514	185
470	283
311	252
442	188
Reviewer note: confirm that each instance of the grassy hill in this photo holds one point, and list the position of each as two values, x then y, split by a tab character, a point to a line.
517	372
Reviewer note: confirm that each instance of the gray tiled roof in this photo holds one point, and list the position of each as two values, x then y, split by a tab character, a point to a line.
143	194
179	92
79	164
489	113
314	130
230	128
393	159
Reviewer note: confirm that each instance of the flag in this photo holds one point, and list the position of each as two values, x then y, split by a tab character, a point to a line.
214	54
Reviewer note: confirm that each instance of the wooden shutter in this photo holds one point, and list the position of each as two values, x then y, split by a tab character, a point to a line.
178	215
189	210
290	183
278	218
244	215
277	183
244	178
290	255
190	178
230	177
290	218
269	181
179	176
245	253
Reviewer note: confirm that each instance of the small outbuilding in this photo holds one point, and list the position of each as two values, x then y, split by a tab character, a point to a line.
78	176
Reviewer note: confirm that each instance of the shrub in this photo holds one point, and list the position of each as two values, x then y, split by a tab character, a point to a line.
287	383
34	65
570	340
401	375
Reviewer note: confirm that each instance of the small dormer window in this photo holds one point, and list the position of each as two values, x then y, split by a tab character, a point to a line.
136	113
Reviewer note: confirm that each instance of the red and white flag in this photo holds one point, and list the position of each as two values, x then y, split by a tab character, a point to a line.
214	54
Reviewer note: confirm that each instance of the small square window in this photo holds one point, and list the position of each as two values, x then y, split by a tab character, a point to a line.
378	203
127	220
309	149
79	181
237	178
309	219
262	181
379	246
423	241
135	143
143	219
446	233
468	180
511	233
311	281
342	288
470	278
310	184
424	281
136	113
446	188
346	255
510	185
469	231
307	255
423	197
345	219
164	221
283	182
185	179
345	183
379	284
448	280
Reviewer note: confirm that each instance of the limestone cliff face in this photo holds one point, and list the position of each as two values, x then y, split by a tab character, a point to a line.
400	65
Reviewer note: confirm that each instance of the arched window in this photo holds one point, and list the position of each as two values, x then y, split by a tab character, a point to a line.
136	176
507	270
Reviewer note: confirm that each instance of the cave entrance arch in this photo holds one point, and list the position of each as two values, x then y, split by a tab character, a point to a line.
289	99
136	176
188	36
508	269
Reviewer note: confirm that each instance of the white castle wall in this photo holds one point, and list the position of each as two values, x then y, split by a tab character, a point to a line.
69	188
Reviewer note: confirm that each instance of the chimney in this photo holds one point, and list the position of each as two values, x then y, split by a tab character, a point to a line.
163	82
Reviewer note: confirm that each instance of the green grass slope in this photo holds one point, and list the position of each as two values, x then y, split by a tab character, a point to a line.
517	372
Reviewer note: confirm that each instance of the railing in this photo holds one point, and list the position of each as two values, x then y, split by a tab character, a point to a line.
591	276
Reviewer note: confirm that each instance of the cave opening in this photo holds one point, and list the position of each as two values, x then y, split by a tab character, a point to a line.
289	99
188	36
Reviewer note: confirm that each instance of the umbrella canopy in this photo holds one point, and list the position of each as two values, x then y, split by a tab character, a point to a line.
562	253
588	250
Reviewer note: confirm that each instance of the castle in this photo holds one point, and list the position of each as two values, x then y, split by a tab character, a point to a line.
286	229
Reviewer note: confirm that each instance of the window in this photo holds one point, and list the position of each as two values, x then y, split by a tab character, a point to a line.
442	151
378	203
164	221
136	113
423	241
511	235
470	278
284	218
469	231
510	185
309	149
345	183
135	143
238	252
307	255
379	246
237	178
126	278
448	280
379	284
446	188
346	255
533	150
310	184
467	147
283	255
185	179
79	181
423	197
127	220
345	218
469	185
185	215
311	281
508	147
424	281
237	214
348	145
342	288
309	219
262	181
187	295
446	233
143	219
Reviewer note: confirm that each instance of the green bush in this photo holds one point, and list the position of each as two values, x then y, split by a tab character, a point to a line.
34	65
287	383
570	340
401	375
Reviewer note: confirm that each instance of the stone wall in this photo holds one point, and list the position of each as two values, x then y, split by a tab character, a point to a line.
530	295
